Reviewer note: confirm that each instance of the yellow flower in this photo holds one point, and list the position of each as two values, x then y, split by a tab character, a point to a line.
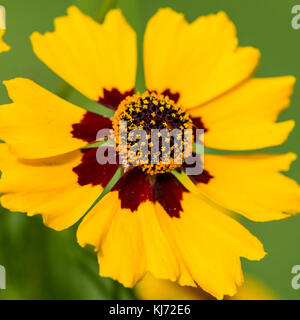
151	288
149	222
3	46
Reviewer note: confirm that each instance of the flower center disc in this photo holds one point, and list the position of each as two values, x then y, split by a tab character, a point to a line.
148	112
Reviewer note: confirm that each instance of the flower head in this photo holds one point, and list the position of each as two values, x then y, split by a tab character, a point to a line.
197	78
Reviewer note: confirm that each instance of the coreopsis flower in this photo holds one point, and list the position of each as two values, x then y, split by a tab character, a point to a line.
196	77
151	288
3	46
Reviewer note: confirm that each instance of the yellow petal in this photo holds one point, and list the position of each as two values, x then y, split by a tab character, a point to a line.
90	56
121	256
3	46
95	224
253	185
200	60
128	243
38	124
244	118
46	186
160	258
209	245
201	247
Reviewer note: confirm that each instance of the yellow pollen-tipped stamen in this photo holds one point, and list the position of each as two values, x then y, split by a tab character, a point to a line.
150	111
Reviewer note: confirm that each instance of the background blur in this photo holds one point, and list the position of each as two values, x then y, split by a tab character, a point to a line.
44	264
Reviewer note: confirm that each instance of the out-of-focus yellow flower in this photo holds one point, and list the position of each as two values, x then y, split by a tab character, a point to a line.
3	46
151	288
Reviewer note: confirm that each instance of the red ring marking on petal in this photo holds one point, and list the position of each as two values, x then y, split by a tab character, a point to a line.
134	188
89	126
168	191
173	96
112	98
198	124
204	177
89	171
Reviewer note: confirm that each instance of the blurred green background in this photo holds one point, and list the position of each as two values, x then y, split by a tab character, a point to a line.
44	264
